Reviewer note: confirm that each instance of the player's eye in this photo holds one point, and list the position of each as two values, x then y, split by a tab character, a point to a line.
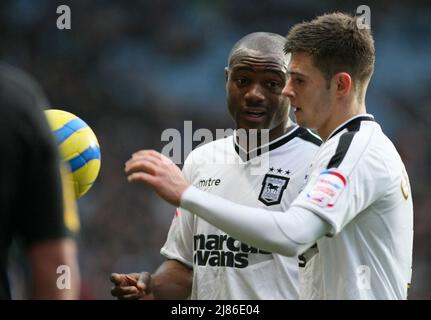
298	80
242	81
273	84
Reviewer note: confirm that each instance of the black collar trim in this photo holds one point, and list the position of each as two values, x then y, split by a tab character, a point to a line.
352	125
246	156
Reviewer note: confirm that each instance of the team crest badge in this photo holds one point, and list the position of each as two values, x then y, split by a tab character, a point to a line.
272	189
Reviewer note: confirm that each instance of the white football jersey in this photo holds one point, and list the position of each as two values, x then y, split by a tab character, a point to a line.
358	184
223	267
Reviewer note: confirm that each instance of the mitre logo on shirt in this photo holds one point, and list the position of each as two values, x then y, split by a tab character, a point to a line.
220	250
273	186
204	183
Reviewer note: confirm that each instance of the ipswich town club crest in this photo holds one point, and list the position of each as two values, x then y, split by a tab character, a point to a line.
272	189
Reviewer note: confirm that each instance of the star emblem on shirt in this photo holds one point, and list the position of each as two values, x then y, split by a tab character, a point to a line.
280	171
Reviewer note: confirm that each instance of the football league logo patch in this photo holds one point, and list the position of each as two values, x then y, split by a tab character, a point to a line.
327	188
272	189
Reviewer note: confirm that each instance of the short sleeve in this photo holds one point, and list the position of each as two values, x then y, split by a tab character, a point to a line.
338	194
179	242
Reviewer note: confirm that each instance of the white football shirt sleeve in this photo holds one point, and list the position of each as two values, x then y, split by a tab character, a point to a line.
179	242
338	193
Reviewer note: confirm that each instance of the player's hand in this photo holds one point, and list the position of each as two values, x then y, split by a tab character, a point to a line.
132	286
159	172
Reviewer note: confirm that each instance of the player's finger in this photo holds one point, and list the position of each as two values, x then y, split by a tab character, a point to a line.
158	157
165	159
124	280
122	291
141	165
132	278
155	160
117	278
143	153
154	155
144	281
151	159
139	153
135	296
143	177
151	156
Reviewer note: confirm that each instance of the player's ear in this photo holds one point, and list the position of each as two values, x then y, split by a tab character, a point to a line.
342	83
226	73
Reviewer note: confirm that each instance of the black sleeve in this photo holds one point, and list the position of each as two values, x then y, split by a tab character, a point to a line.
37	202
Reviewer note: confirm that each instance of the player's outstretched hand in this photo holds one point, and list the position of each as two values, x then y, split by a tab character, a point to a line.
132	286
159	172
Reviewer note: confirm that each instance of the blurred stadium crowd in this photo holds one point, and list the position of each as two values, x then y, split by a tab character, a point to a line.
132	69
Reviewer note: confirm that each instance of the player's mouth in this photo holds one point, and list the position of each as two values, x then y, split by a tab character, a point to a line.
254	114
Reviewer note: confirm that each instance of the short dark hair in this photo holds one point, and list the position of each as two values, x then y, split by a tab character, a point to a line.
262	42
336	44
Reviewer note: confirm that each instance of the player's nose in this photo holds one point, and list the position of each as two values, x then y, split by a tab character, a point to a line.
254	95
288	90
